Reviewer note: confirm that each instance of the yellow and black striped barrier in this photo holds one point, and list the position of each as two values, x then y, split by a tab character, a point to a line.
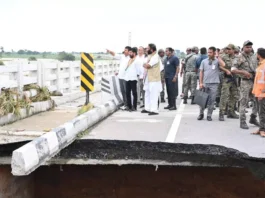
87	72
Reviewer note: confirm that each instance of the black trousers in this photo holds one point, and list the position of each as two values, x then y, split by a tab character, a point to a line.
131	89
262	114
171	92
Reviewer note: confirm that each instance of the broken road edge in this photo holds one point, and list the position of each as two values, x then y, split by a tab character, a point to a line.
30	156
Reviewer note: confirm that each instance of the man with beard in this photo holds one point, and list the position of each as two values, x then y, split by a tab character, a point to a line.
246	67
152	81
132	72
209	80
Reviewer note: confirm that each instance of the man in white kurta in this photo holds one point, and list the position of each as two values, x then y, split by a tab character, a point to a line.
152	81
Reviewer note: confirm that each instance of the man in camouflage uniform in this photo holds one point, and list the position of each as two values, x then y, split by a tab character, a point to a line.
229	85
221	75
190	75
246	66
183	69
161	54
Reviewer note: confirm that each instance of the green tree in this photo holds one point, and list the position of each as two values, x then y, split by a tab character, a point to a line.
182	55
65	56
2	51
21	51
32	58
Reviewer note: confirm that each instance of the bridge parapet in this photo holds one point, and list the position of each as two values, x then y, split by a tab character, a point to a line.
57	76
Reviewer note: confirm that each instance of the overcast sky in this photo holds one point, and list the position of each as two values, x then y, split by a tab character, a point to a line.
85	25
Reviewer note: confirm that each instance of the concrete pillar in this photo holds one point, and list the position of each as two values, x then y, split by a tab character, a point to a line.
71	76
58	77
39	74
43	74
20	77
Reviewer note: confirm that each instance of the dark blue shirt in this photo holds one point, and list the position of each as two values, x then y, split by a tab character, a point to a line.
200	59
171	64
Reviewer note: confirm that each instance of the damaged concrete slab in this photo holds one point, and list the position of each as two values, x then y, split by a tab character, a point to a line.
114	152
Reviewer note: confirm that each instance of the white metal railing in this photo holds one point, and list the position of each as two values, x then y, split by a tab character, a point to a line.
56	75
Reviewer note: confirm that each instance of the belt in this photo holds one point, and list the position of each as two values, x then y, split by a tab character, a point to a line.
247	79
190	71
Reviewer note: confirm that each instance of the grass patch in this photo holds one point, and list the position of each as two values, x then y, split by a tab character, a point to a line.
11	102
85	108
43	93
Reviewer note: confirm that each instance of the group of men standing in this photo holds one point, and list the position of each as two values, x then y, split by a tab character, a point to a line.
236	74
144	72
231	77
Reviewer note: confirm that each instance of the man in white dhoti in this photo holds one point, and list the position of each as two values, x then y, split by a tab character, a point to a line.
152	81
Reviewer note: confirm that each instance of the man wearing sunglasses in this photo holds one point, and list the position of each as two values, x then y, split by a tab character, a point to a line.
229	90
246	67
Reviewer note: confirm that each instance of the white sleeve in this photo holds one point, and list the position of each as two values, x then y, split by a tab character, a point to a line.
117	57
162	67
138	66
154	60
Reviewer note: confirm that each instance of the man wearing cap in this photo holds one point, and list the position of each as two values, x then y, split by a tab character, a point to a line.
190	75
246	67
229	85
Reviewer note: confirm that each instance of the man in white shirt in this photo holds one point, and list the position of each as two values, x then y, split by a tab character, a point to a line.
152	81
132	72
124	58
140	85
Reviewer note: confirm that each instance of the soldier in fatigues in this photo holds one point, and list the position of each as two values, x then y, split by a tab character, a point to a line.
182	71
246	66
229	85
190	76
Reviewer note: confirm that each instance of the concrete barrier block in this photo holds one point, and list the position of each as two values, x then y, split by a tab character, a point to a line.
52	141
24	159
34	154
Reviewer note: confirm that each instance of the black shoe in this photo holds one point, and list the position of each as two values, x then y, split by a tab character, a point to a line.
243	125
200	117
172	108
185	100
144	111
142	106
168	107
253	120
221	117
153	113
232	115
163	100
192	100
133	109
209	118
